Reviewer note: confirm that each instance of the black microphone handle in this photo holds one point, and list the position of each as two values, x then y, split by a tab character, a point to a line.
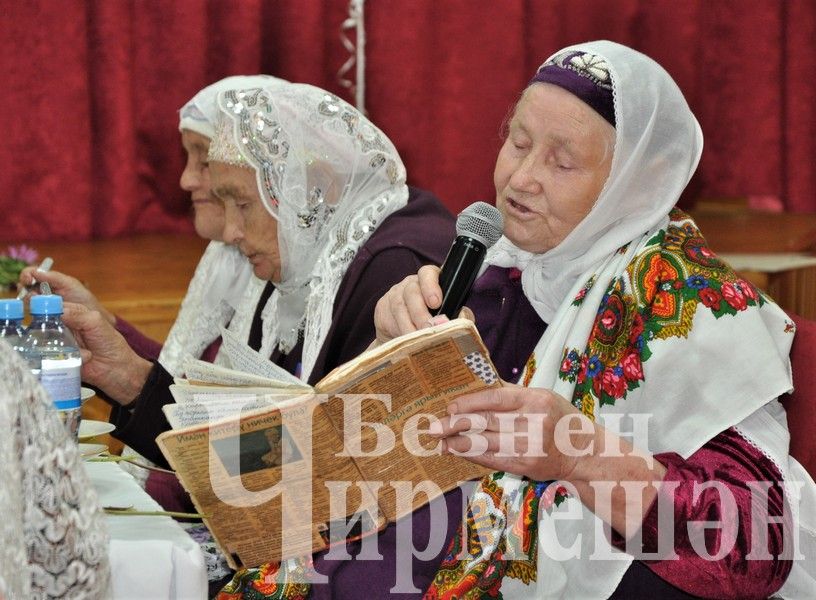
458	274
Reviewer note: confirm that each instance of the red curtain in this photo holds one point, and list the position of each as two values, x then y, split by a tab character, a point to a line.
91	90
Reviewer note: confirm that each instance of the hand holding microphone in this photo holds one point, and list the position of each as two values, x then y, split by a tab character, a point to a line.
405	308
478	227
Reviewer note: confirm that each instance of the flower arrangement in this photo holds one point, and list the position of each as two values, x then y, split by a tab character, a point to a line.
12	263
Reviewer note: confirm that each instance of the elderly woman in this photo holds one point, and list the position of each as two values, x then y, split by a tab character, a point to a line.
222	274
316	199
322	212
631	324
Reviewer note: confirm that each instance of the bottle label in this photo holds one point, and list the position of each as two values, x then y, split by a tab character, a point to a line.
61	379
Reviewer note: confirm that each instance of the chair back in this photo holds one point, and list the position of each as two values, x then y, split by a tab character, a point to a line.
801	403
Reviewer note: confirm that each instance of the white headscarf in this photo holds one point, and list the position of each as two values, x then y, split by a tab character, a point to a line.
329	177
222	274
53	536
200	113
703	374
658	144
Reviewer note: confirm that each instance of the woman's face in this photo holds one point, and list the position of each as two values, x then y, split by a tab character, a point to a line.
552	167
208	211
248	224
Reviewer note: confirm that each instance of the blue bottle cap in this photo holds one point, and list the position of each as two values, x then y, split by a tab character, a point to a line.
46	304
11	309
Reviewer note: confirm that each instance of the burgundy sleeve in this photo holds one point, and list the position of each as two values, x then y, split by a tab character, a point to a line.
211	351
142	345
733	462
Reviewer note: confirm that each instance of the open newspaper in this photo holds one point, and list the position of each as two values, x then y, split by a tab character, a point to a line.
280	469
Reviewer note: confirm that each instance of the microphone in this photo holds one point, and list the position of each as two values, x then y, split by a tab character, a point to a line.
478	227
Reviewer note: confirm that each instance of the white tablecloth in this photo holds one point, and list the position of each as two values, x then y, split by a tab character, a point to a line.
151	557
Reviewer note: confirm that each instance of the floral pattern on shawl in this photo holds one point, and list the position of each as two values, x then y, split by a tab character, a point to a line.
579	297
519	539
655	298
268	582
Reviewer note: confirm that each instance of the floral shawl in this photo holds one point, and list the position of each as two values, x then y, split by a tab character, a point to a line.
668	301
643	319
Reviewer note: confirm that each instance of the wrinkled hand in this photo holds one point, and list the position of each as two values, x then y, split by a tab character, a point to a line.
525	431
562	445
107	361
70	288
406	306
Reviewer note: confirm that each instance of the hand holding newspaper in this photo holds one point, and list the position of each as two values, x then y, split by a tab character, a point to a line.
282	469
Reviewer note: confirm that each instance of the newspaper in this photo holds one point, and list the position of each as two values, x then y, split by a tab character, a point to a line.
245	359
279	474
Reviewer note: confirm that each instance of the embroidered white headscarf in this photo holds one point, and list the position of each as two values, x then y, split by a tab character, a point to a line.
704	374
222	274
329	177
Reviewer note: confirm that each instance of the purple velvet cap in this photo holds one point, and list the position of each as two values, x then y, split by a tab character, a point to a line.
583	74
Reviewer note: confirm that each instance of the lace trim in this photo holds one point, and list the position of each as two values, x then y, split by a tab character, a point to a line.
221	275
764	452
346	241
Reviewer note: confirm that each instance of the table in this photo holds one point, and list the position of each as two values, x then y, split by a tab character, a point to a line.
768	249
151	556
757	232
140	278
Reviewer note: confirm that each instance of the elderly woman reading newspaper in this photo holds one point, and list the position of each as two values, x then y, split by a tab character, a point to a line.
319	205
639	328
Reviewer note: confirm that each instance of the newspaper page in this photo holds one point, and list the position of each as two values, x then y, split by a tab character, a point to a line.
203	373
420	376
287	480
244	358
199	404
263	497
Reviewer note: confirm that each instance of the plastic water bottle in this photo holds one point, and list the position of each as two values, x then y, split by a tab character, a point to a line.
11	322
61	360
13	331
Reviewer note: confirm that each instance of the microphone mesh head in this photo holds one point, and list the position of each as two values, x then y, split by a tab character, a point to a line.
482	222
